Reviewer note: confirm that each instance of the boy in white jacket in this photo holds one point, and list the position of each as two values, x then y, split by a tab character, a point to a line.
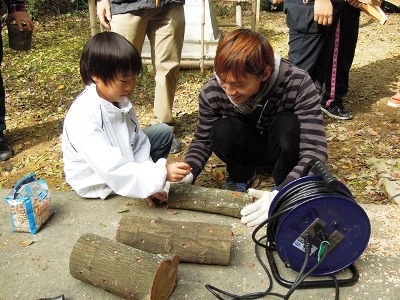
104	150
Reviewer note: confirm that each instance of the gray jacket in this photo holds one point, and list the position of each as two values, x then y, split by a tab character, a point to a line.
124	6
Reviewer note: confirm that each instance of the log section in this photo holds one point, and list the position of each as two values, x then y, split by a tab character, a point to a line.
124	271
196	242
190	197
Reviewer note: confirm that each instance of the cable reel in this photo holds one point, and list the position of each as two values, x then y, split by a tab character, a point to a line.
316	228
321	209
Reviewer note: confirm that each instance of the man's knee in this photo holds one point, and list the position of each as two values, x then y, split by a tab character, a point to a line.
225	133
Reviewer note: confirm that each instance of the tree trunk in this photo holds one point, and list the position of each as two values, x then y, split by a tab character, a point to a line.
124	271
190	197
197	242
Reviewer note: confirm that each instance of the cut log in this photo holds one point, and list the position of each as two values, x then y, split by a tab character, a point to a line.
124	271
190	197
196	242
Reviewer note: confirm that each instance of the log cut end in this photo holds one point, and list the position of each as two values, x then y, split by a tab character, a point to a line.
165	279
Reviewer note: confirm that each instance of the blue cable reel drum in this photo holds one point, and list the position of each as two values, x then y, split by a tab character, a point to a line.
323	209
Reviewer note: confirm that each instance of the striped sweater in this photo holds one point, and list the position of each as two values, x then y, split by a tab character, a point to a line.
293	91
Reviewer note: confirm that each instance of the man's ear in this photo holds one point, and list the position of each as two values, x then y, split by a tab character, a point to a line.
267	73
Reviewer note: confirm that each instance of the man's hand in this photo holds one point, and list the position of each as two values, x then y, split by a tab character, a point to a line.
323	12
104	13
21	17
178	171
256	213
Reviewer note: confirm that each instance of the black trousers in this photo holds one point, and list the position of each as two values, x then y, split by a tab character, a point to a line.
335	88
2	93
243	148
308	40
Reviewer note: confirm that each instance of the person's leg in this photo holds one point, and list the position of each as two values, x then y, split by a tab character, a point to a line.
349	24
305	36
235	143
5	149
327	40
132	26
166	31
160	137
283	146
165	28
337	75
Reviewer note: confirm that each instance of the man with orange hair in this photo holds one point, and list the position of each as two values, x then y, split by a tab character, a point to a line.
258	110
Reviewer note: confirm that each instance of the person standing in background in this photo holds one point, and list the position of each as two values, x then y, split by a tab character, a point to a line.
312	36
310	26
16	12
163	21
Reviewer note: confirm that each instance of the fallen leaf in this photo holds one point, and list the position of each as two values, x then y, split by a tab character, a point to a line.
25	243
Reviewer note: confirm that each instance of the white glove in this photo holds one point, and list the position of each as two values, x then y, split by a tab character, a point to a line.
254	214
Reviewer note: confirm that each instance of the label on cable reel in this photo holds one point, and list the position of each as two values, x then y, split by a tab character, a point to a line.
299	244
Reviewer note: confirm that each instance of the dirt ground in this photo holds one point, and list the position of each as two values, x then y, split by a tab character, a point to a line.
36	106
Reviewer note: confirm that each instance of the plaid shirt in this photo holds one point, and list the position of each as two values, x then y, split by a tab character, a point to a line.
15	5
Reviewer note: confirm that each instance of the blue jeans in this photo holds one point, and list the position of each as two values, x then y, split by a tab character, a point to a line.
160	136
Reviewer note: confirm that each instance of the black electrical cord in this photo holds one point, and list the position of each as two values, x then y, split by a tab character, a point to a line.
307	251
295	286
391	198
258	295
300	277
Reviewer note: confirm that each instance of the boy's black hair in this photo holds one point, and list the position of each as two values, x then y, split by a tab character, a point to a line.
106	55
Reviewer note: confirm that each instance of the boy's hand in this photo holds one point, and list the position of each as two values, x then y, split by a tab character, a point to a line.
177	171
156	198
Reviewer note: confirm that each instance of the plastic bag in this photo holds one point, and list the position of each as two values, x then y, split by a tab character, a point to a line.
30	204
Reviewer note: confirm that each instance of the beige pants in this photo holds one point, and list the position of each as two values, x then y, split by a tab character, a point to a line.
165	29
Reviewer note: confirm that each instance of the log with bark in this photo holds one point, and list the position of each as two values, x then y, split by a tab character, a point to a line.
124	271
196	242
191	197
